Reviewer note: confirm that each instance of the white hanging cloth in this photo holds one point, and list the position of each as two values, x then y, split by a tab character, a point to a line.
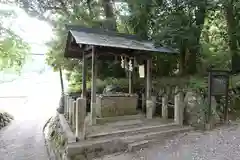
141	70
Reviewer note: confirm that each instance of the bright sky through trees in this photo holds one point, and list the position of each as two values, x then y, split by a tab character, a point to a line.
32	30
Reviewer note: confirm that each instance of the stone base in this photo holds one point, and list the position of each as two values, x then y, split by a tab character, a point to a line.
138	145
116	105
118	118
101	145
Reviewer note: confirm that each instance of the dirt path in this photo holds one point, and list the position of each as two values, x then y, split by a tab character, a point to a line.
220	144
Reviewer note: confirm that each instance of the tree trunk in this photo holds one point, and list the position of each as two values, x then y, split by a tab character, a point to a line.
109	13
139	23
195	46
231	24
61	80
90	8
182	65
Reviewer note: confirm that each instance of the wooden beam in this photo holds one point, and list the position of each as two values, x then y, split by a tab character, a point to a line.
149	101
149	79
130	82
84	71
93	87
72	54
87	48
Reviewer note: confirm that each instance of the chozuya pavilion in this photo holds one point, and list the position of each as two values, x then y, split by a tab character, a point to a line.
114	117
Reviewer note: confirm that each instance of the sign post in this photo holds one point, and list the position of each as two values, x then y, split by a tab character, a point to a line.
218	85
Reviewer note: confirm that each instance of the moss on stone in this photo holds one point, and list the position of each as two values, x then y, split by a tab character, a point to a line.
5	119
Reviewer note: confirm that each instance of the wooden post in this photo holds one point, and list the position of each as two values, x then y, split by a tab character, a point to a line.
154	101
149	81
130	82
143	101
80	118
149	103
93	88
165	106
84	71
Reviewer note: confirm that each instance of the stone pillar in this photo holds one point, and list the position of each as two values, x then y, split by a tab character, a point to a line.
178	107
70	110
74	114
149	102
67	107
65	104
93	88
80	118
165	106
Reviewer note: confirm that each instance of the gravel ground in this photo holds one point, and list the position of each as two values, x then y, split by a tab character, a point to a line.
220	144
22	142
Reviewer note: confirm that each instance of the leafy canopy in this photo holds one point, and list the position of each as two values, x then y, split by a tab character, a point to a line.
13	49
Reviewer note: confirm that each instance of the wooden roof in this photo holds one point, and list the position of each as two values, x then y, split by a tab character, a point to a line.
81	39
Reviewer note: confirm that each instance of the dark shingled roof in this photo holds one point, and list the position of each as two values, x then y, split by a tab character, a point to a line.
104	38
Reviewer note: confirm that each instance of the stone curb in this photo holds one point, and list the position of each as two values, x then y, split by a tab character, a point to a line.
50	151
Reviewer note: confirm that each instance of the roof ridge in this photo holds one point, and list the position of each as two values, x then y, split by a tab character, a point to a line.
80	28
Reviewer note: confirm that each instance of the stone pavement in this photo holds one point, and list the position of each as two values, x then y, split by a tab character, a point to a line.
219	144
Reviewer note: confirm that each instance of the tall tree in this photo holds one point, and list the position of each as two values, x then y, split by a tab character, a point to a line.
232	23
180	23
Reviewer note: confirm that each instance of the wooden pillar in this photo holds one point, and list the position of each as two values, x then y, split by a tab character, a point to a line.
84	71
143	102
149	79
130	82
149	103
154	101
93	87
165	106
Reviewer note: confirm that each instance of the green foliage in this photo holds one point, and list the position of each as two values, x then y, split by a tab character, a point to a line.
13	50
200	30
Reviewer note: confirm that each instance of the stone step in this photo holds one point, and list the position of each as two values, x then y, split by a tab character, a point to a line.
132	131
118	118
144	140
100	147
132	147
158	135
